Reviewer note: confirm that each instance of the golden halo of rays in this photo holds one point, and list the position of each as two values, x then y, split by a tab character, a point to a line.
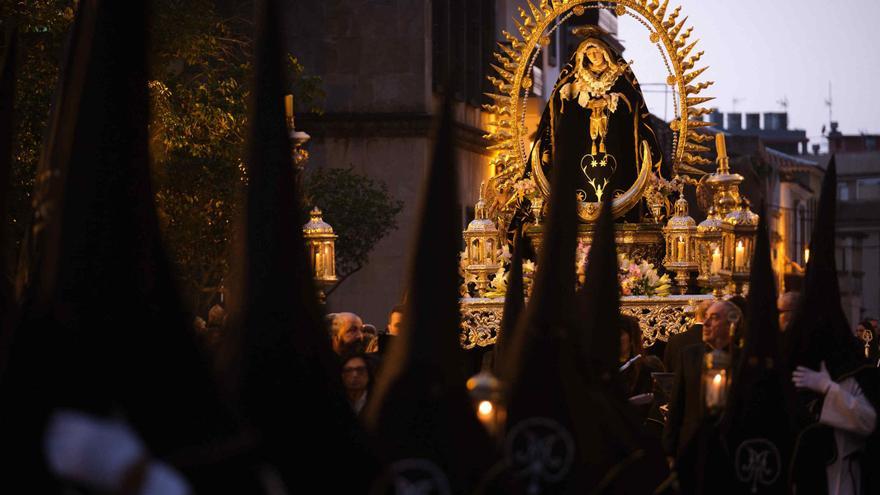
668	29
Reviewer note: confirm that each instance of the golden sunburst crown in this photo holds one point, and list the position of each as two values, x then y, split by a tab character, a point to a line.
514	60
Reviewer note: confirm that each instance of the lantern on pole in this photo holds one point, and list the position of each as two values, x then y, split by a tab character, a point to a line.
715	380
680	243
321	248
488	399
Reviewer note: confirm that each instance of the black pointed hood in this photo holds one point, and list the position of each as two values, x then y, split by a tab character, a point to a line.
534	369
514	301
599	301
421	412
616	455
761	410
103	330
819	329
286	376
7	111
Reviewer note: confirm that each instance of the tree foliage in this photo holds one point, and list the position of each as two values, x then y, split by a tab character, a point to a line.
199	88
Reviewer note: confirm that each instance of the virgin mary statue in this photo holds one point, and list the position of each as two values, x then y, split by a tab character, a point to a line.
596	120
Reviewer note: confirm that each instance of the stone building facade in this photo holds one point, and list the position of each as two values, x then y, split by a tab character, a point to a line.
383	64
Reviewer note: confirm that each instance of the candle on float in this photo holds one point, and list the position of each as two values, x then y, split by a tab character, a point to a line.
739	256
682	255
288	106
716	261
319	268
720	145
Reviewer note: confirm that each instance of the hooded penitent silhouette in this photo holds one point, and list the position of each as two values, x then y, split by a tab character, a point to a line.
759	425
102	329
514	302
284	374
421	413
616	455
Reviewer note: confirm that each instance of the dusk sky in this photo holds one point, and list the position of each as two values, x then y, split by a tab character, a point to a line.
762	51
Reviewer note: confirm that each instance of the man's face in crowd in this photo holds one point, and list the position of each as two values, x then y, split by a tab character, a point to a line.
395	322
349	328
716	328
354	375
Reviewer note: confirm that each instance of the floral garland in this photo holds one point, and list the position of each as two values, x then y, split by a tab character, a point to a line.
636	277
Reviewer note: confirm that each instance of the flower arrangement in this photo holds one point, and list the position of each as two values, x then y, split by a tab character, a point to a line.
640	278
636	277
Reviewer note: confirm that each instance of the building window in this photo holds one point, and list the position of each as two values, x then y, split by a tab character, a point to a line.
462	41
868	188
801	229
843	192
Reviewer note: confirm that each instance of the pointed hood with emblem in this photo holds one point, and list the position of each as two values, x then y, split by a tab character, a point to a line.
421	412
539	413
819	330
758	425
285	376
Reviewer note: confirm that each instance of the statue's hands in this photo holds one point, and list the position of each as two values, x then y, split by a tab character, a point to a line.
817	381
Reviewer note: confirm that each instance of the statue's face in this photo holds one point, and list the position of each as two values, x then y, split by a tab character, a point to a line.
596	55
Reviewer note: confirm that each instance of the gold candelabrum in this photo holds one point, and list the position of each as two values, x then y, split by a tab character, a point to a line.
483	241
725	239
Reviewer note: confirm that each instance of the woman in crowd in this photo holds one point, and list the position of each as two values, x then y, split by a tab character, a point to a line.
357	379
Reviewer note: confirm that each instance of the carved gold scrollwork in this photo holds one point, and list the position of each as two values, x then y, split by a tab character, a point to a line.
659	317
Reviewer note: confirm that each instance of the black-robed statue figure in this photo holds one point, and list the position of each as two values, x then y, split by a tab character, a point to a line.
596	120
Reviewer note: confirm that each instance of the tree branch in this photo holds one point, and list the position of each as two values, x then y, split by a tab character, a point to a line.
344	277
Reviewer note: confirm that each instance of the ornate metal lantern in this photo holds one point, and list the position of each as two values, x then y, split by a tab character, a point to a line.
488	399
321	247
738	243
483	240
708	245
680	243
715	380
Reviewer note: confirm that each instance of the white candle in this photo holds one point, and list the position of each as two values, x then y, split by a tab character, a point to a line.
716	261
806	255
740	254
715	390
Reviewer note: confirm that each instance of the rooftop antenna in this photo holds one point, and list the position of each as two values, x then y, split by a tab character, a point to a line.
783	103
829	102
735	101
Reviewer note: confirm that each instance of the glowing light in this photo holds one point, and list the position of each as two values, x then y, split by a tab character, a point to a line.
806	255
485	408
717	380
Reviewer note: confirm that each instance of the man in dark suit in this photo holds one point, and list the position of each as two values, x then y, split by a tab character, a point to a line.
686	407
692	336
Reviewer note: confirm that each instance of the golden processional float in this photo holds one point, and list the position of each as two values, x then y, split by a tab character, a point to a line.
596	119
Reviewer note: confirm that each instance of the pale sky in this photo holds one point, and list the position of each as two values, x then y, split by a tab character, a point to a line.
762	51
